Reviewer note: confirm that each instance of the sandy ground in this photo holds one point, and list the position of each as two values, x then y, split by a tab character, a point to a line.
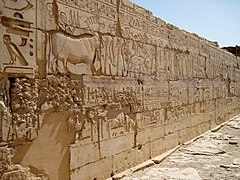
213	156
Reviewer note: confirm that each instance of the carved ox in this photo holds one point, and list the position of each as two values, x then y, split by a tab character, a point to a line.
75	50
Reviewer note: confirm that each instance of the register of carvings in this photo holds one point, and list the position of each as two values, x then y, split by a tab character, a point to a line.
87	83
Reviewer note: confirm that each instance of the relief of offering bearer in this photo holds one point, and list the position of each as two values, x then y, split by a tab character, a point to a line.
74	50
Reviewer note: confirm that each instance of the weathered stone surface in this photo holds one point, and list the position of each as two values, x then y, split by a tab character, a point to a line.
85	83
99	170
170	173
8	170
202	163
236	162
49	151
160	158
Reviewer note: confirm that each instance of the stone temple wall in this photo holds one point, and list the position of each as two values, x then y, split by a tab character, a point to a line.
89	88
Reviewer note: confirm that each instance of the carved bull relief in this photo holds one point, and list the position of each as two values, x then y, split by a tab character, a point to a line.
74	51
22	23
66	21
116	72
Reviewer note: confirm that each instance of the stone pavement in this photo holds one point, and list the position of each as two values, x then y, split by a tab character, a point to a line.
214	155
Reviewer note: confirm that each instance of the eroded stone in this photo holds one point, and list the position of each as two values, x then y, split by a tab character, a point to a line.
84	83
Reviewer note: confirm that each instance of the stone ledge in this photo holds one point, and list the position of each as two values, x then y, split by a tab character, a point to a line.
160	158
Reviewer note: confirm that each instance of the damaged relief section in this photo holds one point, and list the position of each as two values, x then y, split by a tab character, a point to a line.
86	84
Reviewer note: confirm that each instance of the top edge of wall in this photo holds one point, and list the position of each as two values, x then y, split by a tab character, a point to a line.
149	16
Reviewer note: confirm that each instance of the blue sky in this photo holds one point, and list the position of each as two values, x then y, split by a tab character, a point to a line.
215	20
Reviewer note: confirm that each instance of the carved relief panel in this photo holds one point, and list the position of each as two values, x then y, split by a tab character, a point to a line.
155	96
109	108
199	66
113	55
75	16
174	93
121	57
161	64
45	37
17	31
69	35
195	92
139	24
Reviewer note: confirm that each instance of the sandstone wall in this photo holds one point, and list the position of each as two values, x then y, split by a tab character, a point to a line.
90	88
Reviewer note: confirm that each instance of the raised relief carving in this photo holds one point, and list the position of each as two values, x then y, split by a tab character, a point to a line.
144	60
106	111
121	57
174	94
116	72
139	24
75	51
13	51
96	110
155	98
161	64
17	5
74	16
113	57
17	23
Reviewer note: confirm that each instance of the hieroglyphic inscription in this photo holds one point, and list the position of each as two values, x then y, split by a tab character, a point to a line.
155	103
109	107
88	14
139	24
117	74
17	37
120	57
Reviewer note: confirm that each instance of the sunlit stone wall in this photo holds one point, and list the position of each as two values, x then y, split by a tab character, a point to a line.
90	88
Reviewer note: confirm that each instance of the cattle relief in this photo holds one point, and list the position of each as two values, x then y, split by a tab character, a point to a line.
74	50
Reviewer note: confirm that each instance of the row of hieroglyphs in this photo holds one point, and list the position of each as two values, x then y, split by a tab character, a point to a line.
134	51
112	101
116	39
122	83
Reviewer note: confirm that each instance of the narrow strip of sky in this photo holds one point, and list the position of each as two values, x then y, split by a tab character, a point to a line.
215	20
